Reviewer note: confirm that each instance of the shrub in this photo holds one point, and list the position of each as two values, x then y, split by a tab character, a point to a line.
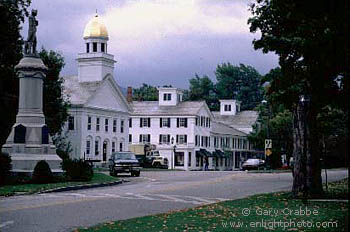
5	167
77	170
42	173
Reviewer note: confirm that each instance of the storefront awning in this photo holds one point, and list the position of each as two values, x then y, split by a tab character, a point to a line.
203	152
219	153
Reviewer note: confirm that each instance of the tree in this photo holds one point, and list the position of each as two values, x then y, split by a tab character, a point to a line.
202	88
55	104
12	14
310	38
239	82
145	93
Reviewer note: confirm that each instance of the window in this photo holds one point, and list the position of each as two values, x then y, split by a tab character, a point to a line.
94	47
88	148
202	121
122	126
189	159
106	124
102	47
114	125
181	122
196	140
165	122
164	139
197	120
97	124
145	122
121	146
145	138
167	96
181	139
89	123
113	146
97	145
70	123
130	138
130	122
87	47
227	108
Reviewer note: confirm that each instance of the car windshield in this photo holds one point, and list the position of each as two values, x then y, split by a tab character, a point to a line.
124	156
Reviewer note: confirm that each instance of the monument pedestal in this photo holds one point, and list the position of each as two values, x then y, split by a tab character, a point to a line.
29	141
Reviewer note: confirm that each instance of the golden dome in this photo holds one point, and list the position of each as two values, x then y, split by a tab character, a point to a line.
95	28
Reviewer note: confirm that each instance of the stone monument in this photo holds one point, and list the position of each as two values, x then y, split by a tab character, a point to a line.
29	141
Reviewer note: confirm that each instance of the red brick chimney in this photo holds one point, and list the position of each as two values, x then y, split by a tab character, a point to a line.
129	94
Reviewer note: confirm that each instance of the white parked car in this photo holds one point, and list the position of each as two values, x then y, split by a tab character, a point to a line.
253	164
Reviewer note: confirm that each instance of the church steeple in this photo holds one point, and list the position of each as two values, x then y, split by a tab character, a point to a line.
95	63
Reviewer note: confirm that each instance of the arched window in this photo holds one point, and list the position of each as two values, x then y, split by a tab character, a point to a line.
88	146
97	146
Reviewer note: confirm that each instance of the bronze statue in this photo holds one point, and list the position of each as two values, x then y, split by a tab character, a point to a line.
30	44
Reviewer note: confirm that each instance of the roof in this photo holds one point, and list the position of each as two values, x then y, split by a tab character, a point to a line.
242	121
153	108
79	92
95	28
224	129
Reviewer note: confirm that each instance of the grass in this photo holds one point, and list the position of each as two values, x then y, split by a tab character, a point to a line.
9	190
228	216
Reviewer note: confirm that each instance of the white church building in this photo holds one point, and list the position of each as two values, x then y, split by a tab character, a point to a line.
99	112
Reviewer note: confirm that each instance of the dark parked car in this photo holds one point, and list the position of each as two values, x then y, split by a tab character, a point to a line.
124	162
253	164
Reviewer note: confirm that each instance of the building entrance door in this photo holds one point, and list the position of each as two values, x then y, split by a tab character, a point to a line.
104	151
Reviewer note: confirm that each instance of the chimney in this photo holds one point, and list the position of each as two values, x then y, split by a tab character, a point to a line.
129	94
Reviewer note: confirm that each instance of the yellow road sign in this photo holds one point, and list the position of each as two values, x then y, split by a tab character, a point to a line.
268	152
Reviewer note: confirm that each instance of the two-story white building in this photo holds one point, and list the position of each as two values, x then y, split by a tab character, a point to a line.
186	133
99	112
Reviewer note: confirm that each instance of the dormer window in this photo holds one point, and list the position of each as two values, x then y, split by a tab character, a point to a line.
94	47
167	97
227	107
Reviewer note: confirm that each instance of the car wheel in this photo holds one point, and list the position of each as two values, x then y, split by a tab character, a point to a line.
115	173
137	173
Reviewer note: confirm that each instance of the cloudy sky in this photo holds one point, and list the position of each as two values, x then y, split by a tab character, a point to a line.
158	42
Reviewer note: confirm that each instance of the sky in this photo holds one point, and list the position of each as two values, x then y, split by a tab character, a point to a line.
158	42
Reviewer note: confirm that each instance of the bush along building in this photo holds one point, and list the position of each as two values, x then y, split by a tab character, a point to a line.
97	125
189	135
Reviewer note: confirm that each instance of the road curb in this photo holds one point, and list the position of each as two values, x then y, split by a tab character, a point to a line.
79	187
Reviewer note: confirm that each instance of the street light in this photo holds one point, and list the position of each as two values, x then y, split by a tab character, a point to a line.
173	156
265	102
304	103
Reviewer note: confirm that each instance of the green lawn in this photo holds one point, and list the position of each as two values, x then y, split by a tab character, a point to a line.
285	215
9	190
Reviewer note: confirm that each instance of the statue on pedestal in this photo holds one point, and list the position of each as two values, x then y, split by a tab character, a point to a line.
30	43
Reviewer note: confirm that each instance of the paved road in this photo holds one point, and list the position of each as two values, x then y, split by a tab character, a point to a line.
152	193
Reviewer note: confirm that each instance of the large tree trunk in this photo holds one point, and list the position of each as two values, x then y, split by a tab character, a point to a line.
307	172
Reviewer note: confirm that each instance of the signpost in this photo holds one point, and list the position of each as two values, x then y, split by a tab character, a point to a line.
268	150
268	147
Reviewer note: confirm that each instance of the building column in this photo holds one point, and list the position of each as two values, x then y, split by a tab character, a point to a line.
186	160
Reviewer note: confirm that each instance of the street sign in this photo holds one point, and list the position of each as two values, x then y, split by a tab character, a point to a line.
268	151
268	143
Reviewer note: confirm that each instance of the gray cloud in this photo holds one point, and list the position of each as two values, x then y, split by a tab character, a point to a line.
155	42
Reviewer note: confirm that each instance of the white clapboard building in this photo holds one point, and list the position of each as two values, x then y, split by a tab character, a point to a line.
99	112
187	132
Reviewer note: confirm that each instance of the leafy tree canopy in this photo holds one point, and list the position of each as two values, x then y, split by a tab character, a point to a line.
239	82
12	13
55	104
145	93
